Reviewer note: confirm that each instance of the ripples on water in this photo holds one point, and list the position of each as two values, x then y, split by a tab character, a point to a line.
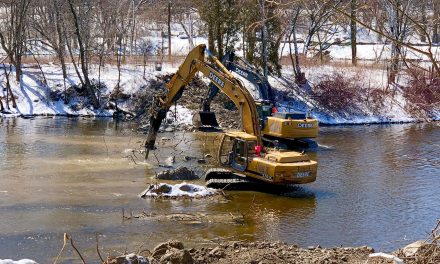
377	185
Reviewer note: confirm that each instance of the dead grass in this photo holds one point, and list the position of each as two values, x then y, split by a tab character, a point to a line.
428	253
338	93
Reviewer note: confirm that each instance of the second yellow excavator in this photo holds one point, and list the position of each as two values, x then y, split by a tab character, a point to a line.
241	154
292	130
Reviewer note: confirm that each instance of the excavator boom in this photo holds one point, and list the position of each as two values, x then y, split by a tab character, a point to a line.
224	80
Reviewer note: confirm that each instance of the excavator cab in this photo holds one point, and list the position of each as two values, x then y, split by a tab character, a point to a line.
237	149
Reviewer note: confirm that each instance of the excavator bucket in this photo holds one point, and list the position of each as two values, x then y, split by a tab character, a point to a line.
208	119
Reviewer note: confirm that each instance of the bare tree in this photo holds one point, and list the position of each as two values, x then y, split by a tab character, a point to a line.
82	56
353	32
13	32
318	15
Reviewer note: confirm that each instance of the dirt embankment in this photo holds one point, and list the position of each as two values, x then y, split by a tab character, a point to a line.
237	252
174	252
226	113
192	97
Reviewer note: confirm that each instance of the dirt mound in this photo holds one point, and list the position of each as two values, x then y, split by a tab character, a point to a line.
277	252
192	97
180	174
144	97
257	252
226	112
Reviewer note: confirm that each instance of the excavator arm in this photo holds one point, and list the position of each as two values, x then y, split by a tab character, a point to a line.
249	73
221	77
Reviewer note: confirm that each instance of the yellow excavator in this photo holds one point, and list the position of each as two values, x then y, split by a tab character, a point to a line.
241	154
292	130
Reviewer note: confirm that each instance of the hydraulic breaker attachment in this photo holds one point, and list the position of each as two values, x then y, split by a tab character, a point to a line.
157	114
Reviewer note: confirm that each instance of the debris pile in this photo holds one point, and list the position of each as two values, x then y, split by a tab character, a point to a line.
127	259
182	190
225	111
181	116
278	252
423	251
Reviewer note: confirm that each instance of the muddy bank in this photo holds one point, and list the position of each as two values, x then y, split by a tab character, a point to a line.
237	252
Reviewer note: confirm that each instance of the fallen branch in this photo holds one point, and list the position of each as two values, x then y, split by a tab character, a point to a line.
97	249
118	109
62	249
77	251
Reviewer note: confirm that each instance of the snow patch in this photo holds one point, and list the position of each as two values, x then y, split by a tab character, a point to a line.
180	114
178	190
22	261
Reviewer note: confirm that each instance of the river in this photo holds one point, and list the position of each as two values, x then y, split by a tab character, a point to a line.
377	185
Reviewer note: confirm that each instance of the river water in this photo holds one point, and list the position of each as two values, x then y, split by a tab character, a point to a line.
377	185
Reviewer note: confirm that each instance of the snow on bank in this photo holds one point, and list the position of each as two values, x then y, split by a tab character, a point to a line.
33	97
178	190
181	115
22	261
393	110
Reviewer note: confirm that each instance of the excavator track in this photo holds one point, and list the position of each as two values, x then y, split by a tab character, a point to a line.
219	178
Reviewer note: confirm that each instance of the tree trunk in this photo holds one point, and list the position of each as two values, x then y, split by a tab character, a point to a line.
9	93
435	22
393	14
353	29
250	54
264	37
211	44
169	30
61	46
17	68
218	31
424	22
82	55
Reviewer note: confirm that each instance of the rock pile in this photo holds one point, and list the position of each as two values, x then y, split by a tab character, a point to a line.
277	252
180	174
174	252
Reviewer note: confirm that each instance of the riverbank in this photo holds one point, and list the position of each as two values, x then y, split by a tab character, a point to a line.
260	252
51	96
254	252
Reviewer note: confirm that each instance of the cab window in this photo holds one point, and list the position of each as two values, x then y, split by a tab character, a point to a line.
240	151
